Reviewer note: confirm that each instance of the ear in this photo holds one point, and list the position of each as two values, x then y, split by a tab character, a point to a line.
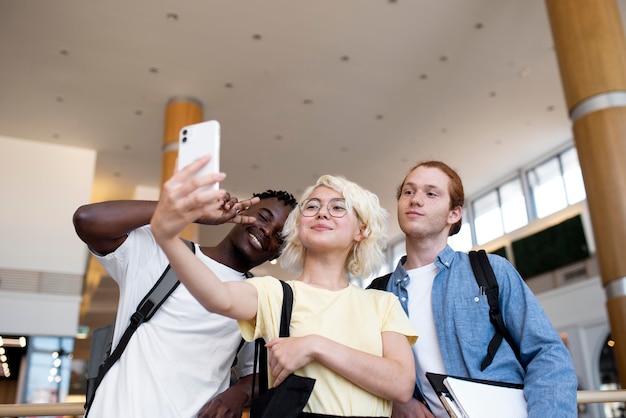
360	236
455	214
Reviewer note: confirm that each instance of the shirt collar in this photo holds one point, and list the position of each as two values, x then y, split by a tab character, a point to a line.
443	261
399	273
445	258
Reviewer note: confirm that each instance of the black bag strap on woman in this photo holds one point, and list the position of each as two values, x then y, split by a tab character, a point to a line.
260	352
289	398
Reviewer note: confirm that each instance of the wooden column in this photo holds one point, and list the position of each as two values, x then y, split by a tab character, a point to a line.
591	51
179	112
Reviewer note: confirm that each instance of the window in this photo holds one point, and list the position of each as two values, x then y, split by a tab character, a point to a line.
487	217
547	188
513	205
556	183
462	240
573	177
499	211
48	369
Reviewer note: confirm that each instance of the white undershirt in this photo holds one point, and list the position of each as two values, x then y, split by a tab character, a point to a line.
426	350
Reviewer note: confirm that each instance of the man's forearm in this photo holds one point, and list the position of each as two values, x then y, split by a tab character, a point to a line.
244	386
231	402
103	226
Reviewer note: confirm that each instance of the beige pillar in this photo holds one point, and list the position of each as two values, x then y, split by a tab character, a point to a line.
179	112
591	51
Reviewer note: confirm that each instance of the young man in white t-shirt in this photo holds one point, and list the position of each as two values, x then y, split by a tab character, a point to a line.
438	290
179	363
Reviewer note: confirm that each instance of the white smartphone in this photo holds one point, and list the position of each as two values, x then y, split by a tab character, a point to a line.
198	140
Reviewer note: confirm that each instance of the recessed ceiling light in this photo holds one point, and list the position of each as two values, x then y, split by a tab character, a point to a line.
478	26
64	52
154	70
345	58
307	101
424	76
443	58
171	17
229	85
257	36
380	116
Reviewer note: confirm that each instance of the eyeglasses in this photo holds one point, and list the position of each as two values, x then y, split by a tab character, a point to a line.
337	208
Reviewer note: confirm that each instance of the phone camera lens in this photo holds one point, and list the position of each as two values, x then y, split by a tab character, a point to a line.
184	139
184	131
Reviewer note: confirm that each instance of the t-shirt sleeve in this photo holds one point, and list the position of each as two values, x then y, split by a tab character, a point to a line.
138	252
267	321
396	319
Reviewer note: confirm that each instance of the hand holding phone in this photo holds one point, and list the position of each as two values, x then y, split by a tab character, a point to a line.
199	140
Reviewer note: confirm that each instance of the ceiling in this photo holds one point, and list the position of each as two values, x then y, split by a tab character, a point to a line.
361	88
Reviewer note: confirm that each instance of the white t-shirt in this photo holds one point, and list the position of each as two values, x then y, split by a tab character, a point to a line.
178	360
426	350
352	316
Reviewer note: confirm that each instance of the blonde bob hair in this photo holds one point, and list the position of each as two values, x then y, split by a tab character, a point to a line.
367	255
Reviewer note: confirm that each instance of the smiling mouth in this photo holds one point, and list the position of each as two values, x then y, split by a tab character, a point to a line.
321	227
255	242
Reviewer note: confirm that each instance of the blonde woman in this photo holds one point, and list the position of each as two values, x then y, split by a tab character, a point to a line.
356	343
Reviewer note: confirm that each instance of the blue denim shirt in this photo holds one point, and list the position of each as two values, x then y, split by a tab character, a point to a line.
461	317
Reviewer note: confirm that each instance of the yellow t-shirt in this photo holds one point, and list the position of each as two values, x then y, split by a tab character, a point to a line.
352	316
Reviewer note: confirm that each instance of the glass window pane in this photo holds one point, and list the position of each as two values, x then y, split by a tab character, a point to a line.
487	217
462	240
513	205
547	188
573	177
48	369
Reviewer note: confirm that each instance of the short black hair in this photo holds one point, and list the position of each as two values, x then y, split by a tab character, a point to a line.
285	197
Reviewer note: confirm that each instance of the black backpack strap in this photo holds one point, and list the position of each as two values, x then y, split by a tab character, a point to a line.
260	351
486	279
167	283
235	360
380	283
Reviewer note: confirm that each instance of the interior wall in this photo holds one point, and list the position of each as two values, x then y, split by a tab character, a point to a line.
41	186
